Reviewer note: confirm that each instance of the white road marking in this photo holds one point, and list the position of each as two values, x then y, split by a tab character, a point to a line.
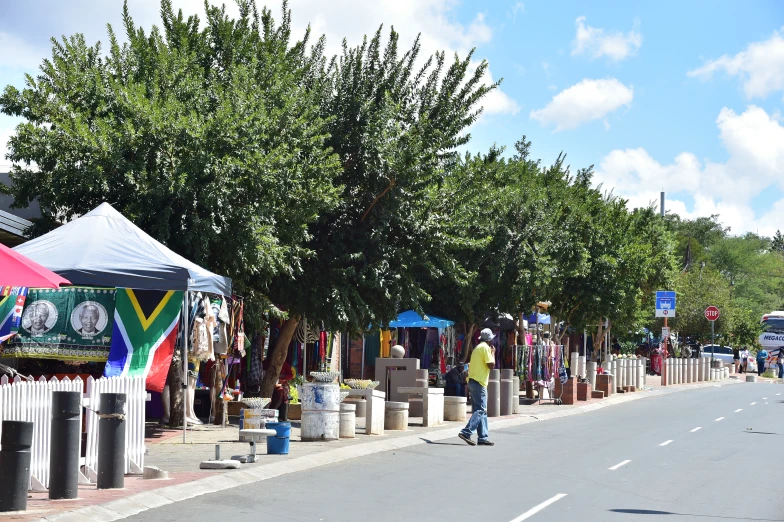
752	404
739	409
536	509
764	398
665	443
719	419
778	394
619	465
698	428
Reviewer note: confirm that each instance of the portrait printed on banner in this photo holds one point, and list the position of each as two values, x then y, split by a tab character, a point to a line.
89	319
39	317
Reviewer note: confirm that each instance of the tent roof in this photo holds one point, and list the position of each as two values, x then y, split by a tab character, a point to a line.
103	248
17	270
411	319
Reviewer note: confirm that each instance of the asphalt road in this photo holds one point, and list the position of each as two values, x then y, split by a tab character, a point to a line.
714	453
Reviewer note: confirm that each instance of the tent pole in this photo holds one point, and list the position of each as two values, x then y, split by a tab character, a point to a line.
185	316
305	353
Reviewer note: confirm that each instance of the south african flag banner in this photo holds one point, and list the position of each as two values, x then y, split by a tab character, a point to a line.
144	335
12	300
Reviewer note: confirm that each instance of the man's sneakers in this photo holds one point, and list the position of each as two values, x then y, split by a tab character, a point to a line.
466	439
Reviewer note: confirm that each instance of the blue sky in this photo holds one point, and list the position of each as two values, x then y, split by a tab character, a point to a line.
684	97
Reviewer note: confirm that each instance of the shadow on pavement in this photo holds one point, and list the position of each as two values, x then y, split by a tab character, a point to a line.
656	512
443	443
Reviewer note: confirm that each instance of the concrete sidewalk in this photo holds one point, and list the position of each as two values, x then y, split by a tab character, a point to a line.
167	452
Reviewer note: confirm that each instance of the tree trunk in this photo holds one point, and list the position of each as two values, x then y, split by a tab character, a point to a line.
468	343
176	391
278	356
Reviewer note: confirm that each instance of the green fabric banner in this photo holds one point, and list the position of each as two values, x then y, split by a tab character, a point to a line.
73	323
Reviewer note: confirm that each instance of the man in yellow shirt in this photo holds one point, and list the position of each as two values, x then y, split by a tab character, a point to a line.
482	361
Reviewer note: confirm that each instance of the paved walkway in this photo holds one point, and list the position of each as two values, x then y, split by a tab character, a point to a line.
166	451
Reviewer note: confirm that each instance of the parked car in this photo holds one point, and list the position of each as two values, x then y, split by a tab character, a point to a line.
723	353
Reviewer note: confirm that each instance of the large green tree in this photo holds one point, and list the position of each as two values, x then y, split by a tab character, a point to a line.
396	126
211	137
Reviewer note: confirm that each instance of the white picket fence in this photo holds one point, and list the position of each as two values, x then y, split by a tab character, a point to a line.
31	401
136	395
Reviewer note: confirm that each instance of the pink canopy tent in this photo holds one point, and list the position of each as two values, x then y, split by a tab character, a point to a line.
17	270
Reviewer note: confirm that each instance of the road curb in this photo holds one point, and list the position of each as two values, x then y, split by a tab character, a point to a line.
144	501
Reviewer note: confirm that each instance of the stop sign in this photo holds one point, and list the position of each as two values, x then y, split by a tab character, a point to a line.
712	313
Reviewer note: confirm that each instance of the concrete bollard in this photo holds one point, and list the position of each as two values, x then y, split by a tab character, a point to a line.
396	416
15	457
640	373
591	370
348	420
671	370
581	366
506	392
688	370
574	363
494	394
111	441
454	408
751	378
65	438
516	394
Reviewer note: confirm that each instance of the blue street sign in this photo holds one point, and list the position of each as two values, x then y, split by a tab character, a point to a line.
665	304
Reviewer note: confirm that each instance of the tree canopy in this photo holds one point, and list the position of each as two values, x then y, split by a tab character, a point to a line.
340	188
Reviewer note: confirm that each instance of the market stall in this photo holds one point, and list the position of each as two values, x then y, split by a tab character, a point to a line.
133	291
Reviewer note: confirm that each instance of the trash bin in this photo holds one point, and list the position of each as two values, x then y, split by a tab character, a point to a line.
279	443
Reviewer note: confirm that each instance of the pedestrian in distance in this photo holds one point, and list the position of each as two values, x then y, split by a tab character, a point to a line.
762	356
736	358
744	360
482	361
781	363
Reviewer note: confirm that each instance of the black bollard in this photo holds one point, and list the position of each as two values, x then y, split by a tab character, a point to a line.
64	452
15	459
111	441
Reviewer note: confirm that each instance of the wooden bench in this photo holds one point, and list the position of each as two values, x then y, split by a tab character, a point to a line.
432	403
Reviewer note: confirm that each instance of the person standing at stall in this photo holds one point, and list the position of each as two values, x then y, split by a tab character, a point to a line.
482	361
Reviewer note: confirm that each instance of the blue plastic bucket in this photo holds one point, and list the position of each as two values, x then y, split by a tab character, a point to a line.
279	443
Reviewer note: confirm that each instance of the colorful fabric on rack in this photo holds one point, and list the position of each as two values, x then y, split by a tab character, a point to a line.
143	338
71	323
12	300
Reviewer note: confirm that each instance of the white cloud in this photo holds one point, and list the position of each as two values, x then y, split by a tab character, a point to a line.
16	53
586	101
755	143
597	43
519	7
760	66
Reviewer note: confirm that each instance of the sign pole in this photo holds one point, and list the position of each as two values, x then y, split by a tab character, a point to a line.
713	341
664	358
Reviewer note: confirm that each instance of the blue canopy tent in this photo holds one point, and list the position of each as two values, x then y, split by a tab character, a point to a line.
411	319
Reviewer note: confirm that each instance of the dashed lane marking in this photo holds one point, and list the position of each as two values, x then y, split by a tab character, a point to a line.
665	443
719	419
536	509
698	428
619	465
739	409
752	404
